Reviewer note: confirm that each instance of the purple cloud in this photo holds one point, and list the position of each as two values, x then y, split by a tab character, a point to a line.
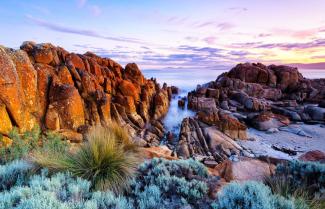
90	33
284	46
225	26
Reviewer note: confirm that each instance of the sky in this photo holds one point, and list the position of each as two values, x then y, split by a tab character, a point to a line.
173	33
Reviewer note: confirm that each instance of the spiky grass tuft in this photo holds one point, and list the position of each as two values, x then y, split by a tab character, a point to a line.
109	159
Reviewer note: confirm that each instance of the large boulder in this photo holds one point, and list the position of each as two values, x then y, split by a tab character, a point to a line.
10	89
316	113
267	120
313	156
245	170
287	77
65	108
133	73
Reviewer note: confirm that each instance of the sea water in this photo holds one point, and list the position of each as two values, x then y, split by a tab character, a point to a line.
187	80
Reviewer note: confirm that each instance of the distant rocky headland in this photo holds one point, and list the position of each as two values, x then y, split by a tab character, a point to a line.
46	86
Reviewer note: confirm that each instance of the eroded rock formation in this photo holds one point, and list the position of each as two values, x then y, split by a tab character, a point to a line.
249	95
44	85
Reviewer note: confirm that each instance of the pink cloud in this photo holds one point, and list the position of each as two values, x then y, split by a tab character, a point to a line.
210	40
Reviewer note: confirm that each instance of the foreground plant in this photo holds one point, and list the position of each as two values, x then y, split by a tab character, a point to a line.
302	181
109	159
251	195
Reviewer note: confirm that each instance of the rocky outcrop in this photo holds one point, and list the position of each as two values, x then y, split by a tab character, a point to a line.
267	98
43	85
256	88
199	140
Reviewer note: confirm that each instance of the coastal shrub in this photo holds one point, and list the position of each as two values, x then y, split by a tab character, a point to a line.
21	144
171	183
302	181
61	190
250	195
109	159
64	190
310	174
14	173
28	142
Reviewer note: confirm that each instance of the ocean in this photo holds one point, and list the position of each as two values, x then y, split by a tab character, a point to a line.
187	80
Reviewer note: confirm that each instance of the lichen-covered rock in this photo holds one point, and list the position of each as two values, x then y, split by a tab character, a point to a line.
44	85
65	102
5	123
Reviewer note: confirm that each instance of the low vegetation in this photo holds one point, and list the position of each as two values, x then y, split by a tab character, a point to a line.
250	195
109	159
302	181
105	172
23	144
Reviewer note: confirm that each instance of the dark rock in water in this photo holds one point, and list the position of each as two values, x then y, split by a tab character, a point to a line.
175	90
181	103
322	104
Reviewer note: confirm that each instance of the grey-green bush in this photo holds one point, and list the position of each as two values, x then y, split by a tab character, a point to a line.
307	175
250	195
14	173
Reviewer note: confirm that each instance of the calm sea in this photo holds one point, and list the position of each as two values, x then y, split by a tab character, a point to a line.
187	80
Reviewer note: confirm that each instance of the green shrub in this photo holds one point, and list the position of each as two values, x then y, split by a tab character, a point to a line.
109	160
250	195
28	142
21	145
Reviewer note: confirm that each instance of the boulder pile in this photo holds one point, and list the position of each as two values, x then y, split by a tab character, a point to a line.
249	95
46	86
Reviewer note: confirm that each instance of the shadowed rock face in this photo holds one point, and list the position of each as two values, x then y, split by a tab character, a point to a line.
44	85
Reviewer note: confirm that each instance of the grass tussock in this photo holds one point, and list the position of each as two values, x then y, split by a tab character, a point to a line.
109	159
302	197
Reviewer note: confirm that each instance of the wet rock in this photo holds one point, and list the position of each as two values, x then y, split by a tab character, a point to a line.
181	103
174	90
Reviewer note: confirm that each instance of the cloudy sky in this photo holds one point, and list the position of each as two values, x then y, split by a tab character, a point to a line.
173	33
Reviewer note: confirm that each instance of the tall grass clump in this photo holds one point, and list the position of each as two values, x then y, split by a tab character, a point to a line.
302	181
109	159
